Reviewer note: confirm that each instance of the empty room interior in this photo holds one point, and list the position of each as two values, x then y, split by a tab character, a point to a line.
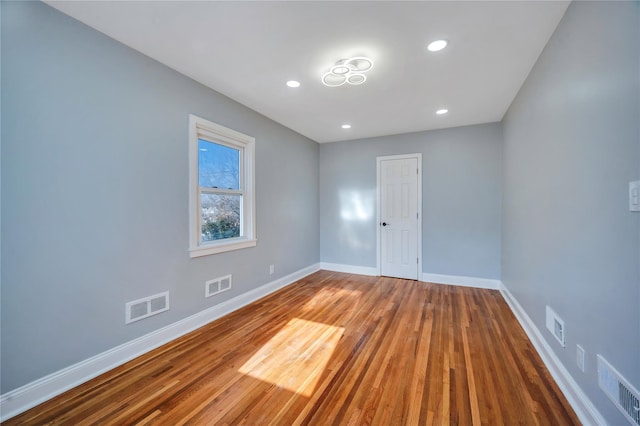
320	212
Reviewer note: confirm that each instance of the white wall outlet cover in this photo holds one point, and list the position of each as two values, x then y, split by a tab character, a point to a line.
634	196
580	357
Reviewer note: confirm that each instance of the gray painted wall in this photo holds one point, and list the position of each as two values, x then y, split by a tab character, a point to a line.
94	193
572	144
461	174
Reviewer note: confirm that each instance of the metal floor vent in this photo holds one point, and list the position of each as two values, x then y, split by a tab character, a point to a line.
217	285
623	395
556	326
146	307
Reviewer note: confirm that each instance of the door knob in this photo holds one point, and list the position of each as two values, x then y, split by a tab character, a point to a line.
385	224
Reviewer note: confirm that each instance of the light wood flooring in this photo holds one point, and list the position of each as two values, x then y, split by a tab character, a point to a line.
333	349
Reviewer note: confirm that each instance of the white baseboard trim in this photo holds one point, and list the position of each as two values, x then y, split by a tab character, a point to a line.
579	401
45	388
349	269
461	281
431	278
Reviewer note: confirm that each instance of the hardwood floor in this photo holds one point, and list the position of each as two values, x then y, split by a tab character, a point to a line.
333	349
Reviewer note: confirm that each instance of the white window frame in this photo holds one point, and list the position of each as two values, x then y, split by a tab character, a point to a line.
199	128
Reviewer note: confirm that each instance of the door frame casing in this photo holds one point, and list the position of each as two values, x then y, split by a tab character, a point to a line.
379	161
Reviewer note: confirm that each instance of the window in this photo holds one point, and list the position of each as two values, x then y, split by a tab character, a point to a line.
221	189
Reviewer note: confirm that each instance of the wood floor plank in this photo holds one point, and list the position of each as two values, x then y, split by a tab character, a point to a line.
337	349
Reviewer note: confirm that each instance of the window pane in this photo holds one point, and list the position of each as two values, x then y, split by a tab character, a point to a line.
220	216
218	166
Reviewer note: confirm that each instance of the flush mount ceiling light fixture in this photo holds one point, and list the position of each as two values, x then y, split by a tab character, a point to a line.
348	71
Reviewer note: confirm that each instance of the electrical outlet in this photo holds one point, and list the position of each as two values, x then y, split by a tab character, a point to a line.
272	269
580	357
634	196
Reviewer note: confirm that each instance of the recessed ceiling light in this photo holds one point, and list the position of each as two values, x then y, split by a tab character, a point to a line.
442	111
346	126
293	83
437	45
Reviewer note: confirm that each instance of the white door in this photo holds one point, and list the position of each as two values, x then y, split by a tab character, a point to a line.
399	221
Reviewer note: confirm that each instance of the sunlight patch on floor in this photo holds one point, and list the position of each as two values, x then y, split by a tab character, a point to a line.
295	358
331	297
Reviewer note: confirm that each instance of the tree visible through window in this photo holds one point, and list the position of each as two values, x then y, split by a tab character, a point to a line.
220	191
221	197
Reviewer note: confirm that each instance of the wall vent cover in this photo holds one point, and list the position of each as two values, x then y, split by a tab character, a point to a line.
217	285
556	326
146	307
619	390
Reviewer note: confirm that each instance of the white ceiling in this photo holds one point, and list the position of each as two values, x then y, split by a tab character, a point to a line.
248	50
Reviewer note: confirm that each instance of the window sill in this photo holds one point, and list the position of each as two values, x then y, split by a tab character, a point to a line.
221	247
